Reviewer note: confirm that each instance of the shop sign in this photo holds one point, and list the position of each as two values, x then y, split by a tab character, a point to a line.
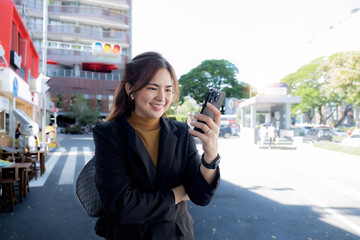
15	60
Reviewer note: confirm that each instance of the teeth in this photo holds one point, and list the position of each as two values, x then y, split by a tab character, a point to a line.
156	105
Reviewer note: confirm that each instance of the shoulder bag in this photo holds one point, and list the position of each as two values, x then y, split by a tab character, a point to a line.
86	190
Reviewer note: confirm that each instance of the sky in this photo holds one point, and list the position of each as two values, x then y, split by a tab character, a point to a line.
266	40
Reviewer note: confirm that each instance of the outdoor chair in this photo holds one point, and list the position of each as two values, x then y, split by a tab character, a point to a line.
8	176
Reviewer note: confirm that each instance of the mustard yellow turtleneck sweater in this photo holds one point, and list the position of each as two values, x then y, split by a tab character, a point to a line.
149	132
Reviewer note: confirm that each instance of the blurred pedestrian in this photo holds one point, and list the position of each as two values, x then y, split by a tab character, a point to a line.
147	166
52	138
271	134
17	134
263	134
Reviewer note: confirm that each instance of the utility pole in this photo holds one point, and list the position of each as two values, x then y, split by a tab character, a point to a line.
44	59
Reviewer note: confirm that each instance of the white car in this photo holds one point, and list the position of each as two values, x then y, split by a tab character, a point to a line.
339	132
353	140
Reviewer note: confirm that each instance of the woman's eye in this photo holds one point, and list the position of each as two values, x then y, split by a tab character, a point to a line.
154	89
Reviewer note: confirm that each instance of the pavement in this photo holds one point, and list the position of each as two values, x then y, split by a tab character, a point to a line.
52	210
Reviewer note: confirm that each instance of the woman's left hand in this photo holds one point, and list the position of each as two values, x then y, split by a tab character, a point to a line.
211	129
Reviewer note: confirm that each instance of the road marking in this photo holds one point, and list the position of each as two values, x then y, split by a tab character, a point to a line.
88	154
327	209
332	212
49	165
68	172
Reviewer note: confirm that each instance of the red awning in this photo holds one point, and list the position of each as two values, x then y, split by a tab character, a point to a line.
51	62
111	67
95	67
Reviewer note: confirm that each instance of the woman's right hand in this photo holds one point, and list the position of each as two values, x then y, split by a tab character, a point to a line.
180	194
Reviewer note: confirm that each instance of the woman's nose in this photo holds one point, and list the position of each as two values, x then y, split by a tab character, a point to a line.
161	94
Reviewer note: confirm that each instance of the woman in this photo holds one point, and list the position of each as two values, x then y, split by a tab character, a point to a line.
147	166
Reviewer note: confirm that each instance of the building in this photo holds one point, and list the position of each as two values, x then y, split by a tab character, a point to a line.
75	63
19	63
271	107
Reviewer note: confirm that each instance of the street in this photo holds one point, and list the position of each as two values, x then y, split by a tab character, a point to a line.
306	194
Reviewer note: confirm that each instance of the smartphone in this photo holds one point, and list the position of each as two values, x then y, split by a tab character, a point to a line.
216	98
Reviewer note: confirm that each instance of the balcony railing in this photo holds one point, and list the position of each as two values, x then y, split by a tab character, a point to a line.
30	4
88	12
35	5
73	56
84	32
83	74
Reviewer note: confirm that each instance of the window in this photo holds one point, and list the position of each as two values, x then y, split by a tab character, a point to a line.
19	49
13	38
98	102
2	121
111	102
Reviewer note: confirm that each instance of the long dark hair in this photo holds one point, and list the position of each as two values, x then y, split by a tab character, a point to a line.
138	74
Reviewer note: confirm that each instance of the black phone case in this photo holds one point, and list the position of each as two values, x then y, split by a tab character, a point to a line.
216	98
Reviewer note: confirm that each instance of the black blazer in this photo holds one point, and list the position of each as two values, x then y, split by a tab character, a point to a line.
137	198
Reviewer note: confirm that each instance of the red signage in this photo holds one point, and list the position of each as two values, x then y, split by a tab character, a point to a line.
55	109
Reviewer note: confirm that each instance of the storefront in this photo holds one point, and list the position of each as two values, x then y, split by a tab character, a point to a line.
19	63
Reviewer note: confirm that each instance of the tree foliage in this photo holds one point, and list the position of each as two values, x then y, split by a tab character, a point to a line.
330	82
341	72
81	112
304	83
220	74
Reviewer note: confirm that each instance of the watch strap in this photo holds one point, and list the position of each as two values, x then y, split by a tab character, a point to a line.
212	165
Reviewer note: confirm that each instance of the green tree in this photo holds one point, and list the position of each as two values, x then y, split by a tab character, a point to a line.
327	82
305	83
81	112
220	74
341	73
59	101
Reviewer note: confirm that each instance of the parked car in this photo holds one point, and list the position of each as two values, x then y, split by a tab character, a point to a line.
225	131
231	121
302	130
353	140
318	134
339	132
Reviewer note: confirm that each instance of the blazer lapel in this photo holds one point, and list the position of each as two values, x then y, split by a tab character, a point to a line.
137	145
167	147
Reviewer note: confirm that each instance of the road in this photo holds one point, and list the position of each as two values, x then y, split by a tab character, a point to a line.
304	194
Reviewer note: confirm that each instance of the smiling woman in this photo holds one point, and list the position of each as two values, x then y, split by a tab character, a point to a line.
148	166
153	100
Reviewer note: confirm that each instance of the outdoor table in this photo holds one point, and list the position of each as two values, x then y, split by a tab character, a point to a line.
24	169
10	150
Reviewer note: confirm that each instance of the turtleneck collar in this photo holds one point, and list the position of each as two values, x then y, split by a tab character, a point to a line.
144	123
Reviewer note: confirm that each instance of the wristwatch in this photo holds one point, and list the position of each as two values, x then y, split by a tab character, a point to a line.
212	165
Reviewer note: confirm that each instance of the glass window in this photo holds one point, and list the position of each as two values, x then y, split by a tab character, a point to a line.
111	102
13	38
98	102
2	121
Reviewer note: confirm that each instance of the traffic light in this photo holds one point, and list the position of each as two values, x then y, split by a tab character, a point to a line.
38	84
106	49
44	80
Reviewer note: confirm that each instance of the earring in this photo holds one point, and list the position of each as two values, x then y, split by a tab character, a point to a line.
132	96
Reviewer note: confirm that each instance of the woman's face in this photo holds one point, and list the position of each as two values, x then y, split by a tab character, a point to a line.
155	98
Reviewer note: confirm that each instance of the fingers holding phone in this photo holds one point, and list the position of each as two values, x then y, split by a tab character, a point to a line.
210	129
207	126
205	123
